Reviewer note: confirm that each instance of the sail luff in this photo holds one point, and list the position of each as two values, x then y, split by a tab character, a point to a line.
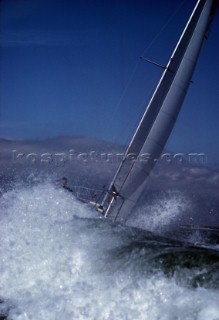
159	117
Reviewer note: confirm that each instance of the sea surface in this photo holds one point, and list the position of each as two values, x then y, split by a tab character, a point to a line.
60	260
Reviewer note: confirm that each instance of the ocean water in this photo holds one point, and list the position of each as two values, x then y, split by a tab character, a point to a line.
60	260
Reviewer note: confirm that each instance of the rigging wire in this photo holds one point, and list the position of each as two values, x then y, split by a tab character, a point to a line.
163	28
118	105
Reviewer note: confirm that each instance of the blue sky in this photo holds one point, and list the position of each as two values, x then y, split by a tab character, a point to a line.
73	68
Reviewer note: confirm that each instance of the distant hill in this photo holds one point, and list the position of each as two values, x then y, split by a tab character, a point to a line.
80	158
92	163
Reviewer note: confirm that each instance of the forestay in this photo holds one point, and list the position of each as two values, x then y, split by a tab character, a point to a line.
159	118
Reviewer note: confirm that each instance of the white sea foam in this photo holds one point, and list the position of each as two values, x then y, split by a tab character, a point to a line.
56	263
161	213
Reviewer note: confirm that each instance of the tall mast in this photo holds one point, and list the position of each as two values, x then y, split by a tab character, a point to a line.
158	120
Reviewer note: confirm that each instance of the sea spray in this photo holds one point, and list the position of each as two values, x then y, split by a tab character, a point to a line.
61	260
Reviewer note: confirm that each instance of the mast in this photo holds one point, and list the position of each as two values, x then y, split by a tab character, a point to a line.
158	120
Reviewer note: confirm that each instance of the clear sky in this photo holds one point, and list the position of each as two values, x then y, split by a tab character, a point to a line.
73	68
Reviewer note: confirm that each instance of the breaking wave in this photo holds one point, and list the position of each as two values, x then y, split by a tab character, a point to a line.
61	260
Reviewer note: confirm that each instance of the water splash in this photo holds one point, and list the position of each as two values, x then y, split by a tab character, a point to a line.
60	260
162	212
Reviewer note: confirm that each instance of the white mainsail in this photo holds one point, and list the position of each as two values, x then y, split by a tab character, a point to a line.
158	120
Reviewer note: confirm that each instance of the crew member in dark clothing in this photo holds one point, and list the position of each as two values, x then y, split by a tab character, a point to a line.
64	183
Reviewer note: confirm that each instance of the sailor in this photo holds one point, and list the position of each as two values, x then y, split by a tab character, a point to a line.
64	183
